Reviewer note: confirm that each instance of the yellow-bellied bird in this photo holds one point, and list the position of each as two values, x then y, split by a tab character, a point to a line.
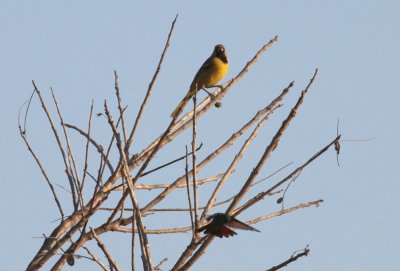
209	74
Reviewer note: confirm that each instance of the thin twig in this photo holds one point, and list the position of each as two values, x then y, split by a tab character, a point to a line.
98	147
270	148
28	103
315	203
261	195
282	199
146	255
97	260
87	148
182	209
23	135
151	211
169	163
272	174
121	111
69	149
194	165
141	170
53	127
235	161
157	267
296	255
116	225
150	88
101	245
188	194
166	185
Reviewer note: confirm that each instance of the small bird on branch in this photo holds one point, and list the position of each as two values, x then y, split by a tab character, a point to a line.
209	74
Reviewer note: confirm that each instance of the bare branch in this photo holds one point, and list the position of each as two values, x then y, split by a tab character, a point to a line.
99	148
165	185
188	194
150	88
237	158
110	259
97	260
146	255
121	111
28	104
261	195
169	163
69	149
87	150
271	147
194	165
296	255
157	267
285	211
23	135
228	143
253	221
53	127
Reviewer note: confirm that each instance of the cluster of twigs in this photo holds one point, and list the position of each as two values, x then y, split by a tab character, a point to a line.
66	241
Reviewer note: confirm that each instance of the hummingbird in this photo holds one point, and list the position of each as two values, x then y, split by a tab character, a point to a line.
220	225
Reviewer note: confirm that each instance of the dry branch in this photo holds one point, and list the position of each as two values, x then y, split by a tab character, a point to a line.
261	195
253	221
188	194
46	177
95	259
101	245
146	255
194	165
99	148
296	255
74	172
150	88
270	148
237	158
68	171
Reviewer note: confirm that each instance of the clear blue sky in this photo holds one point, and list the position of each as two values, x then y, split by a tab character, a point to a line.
74	46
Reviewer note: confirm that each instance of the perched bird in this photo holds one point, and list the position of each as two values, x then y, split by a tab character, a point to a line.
209	74
220	225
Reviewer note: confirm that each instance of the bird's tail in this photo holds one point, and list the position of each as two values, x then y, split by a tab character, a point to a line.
180	106
221	232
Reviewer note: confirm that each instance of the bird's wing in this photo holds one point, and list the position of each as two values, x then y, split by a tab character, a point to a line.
206	65
240	225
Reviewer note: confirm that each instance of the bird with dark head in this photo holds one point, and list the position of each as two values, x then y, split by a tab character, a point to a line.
209	74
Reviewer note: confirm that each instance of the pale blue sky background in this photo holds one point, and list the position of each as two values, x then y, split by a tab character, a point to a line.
74	46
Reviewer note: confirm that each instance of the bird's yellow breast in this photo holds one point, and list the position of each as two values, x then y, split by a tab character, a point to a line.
211	75
218	70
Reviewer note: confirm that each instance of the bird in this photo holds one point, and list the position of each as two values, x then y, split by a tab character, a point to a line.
209	74
220	225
